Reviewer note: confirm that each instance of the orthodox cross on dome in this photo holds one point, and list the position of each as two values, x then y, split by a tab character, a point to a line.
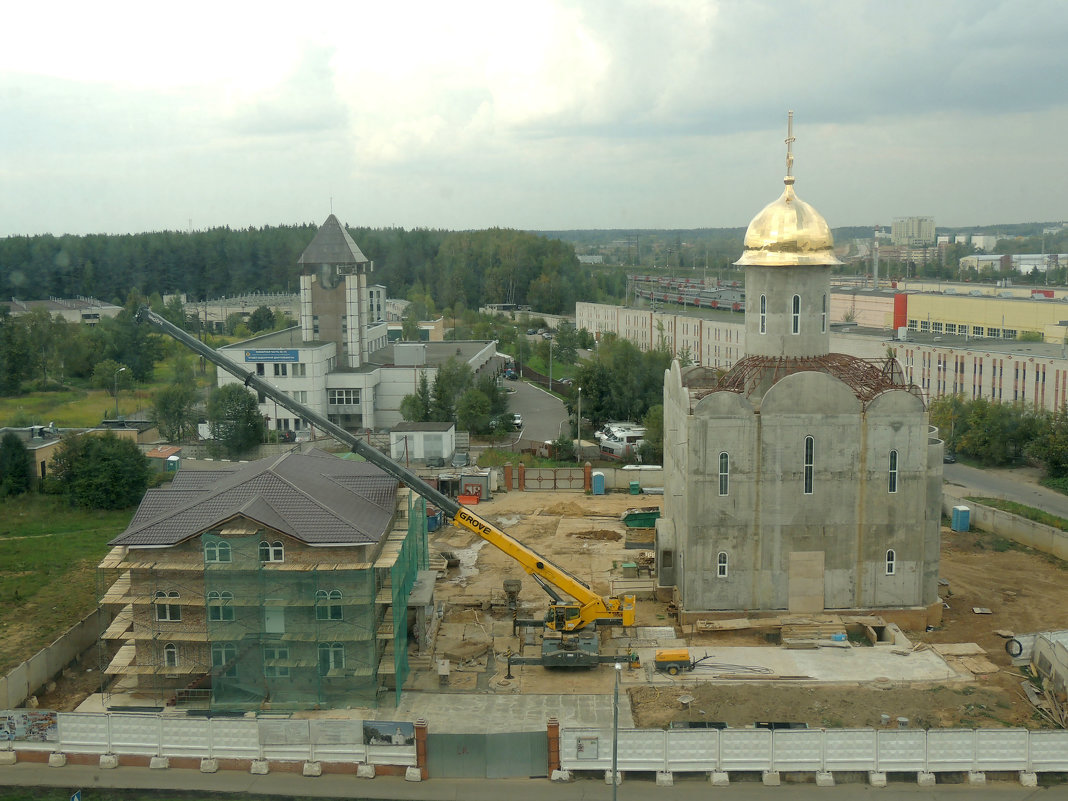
790	139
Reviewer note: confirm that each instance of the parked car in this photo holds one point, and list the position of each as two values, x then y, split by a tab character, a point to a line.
435	461
531	332
460	459
511	375
517	420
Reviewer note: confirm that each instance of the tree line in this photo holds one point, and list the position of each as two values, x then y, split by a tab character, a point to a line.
465	269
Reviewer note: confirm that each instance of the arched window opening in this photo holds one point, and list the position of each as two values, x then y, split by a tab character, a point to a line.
892	485
796	315
170	655
823	317
724	473
331	657
220	606
891	558
167	606
272	551
721	565
810	449
328	605
763	314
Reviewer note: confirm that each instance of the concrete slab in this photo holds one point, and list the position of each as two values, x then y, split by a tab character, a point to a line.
825	665
458	713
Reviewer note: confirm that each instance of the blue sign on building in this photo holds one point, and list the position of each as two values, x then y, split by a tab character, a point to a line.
273	355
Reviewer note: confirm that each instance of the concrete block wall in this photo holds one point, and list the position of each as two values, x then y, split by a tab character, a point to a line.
28	677
1018	529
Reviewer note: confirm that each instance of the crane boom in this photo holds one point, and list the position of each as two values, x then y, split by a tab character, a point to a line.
588	607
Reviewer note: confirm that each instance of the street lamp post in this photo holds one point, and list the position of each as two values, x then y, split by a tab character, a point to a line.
120	370
578	428
615	731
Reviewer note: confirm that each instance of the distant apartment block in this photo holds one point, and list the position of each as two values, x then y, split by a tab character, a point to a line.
913	231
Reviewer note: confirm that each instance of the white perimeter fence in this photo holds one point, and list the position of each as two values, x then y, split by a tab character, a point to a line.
173	736
817	750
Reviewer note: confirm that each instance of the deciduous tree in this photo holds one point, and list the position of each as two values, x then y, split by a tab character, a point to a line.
234	417
99	471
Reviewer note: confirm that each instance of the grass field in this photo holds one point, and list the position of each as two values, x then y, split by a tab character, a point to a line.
81	407
48	557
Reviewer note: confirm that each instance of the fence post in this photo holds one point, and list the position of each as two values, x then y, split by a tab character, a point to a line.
553	735
420	748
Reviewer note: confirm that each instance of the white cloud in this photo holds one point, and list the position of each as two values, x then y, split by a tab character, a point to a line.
575	113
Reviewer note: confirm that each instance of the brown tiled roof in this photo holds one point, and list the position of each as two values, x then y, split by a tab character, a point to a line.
314	497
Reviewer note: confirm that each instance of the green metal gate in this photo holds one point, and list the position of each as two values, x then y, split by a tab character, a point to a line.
512	755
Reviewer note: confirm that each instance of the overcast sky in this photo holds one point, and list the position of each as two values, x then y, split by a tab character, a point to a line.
128	117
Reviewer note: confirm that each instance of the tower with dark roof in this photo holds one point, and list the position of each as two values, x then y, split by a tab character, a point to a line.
802	480
337	304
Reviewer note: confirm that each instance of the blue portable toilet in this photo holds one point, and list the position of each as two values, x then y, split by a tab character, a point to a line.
598	483
961	519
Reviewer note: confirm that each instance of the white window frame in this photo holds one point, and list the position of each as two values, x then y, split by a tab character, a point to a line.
275	652
170	655
892	478
724	473
272	551
795	315
328	605
810	464
220	606
214	552
167	612
334	653
722	564
891	562
221	654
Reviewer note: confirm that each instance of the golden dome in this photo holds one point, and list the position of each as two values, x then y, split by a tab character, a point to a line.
786	233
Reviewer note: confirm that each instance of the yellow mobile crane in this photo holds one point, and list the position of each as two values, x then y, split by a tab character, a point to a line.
574	605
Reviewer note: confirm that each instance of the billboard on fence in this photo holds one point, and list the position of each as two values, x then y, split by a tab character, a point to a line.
388	732
28	724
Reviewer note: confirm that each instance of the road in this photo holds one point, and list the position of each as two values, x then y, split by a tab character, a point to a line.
1013	485
544	415
639	788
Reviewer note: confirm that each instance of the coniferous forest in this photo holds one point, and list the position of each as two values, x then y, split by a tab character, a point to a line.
456	269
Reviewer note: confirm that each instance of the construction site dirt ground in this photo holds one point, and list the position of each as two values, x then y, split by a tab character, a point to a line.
1025	591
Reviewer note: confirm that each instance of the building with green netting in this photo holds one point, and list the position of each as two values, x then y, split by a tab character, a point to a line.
294	582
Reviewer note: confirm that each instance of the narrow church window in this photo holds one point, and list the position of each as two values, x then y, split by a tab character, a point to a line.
823	317
893	472
797	315
724	473
809	448
170	655
891	557
763	314
721	565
